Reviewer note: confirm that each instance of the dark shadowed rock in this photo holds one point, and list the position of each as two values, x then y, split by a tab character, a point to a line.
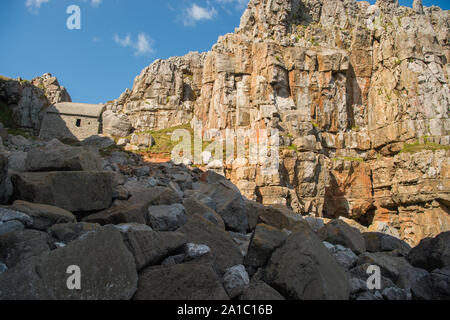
188	281
440	280
151	247
5	182
260	291
225	199
264	242
432	254
20	246
225	251
390	266
44	216
418	282
153	196
11	226
303	269
338	232
167	218
63	158
107	269
379	242
66	232
72	191
194	206
280	217
133	213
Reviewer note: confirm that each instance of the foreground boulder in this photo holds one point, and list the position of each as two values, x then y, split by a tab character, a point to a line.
63	158
151	247
107	270
432	254
338	232
72	191
188	281
260	291
44	216
303	269
379	242
225	251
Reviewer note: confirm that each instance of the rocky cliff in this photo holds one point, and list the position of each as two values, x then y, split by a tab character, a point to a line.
359	93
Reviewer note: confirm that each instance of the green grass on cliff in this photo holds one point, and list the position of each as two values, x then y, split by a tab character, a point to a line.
418	147
348	159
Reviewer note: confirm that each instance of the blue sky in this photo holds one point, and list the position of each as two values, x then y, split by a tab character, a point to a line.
118	38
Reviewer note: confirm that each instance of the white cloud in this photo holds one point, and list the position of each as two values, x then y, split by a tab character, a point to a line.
142	46
35	5
196	13
96	3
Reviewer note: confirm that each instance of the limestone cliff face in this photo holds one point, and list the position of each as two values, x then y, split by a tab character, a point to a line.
349	84
29	99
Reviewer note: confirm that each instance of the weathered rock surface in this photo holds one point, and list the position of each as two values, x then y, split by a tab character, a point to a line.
224	249
303	269
44	216
432	254
187	281
261	291
108	271
72	191
338	232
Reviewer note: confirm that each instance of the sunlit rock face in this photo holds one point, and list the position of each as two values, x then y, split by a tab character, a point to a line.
349	85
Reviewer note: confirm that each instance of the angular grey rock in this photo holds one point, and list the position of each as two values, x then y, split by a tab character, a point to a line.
151	247
142	171
10	215
132	213
357	285
418	282
263	243
242	240
167	218
193	206
360	272
261	291
338	232
303	269
225	199
99	142
390	266
440	279
17	160
173	260
394	293
225	251
432	254
72	191
17	247
107	267
379	242
280	217
10	226
187	281
132	227
67	232
44	216
142	141
116	125
195	251
346	258
235	280
63	158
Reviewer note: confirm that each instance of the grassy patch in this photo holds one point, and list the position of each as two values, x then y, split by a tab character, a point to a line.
418	147
4	78
348	159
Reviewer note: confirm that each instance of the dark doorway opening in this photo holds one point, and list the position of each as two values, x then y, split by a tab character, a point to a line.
78	124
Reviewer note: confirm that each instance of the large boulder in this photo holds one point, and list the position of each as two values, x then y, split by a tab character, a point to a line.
225	251
339	232
391	266
133	213
44	216
303	269
151	247
16	247
72	191
440	279
280	217
225	199
167	218
107	271
67	232
116	125
264	242
187	281
380	242
194	206
432	254
63	158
